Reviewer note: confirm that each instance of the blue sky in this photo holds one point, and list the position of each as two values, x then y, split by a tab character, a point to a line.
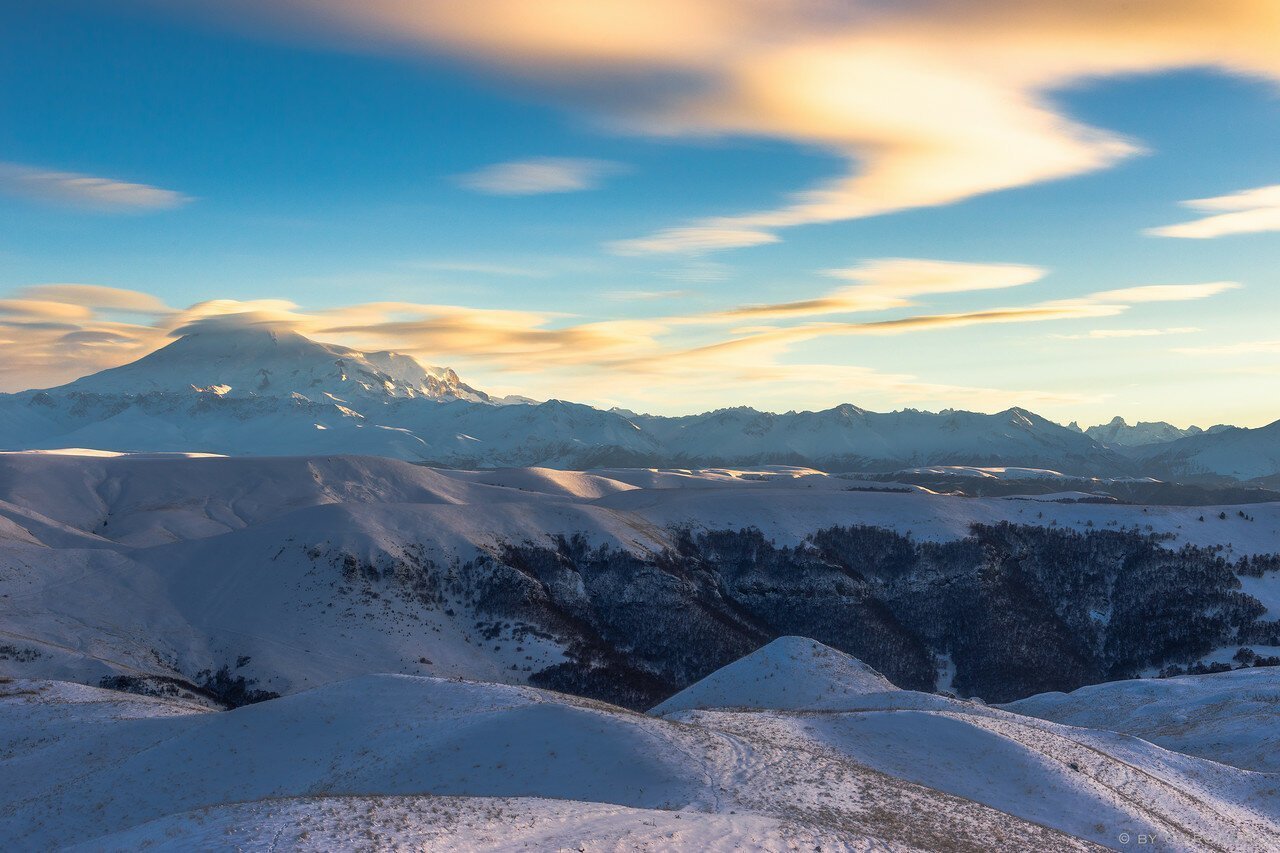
345	174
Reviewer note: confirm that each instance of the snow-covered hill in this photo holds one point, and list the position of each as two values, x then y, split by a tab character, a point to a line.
396	761
789	674
1231	717
511	752
1088	783
200	576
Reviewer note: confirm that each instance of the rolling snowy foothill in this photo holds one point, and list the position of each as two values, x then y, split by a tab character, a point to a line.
390	761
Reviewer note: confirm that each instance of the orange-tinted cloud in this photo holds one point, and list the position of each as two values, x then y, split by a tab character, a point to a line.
894	283
1166	292
96	296
1097	305
662	360
928	102
1247	212
26	309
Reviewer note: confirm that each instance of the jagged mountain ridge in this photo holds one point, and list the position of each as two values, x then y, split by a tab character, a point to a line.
853	438
246	390
1233	453
1118	433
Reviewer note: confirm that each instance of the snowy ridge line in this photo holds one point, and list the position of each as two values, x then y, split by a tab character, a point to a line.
261	391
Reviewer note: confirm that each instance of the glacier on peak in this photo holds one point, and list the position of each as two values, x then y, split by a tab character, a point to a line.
274	362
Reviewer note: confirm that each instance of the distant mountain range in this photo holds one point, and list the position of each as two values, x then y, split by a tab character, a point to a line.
262	391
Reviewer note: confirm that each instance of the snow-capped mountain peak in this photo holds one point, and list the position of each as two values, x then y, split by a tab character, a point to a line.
1118	433
267	361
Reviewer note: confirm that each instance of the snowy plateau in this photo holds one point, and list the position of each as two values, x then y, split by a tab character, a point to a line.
263	593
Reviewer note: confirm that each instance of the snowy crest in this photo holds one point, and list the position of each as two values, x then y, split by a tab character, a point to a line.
791	673
273	361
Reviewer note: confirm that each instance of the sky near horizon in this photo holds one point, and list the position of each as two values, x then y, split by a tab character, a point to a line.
666	205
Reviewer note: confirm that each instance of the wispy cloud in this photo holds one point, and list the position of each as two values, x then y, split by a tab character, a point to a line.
42	310
1107	334
703	238
85	191
1247	212
540	175
1166	292
894	283
1092	306
644	295
98	296
55	332
482	268
698	271
1239	348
